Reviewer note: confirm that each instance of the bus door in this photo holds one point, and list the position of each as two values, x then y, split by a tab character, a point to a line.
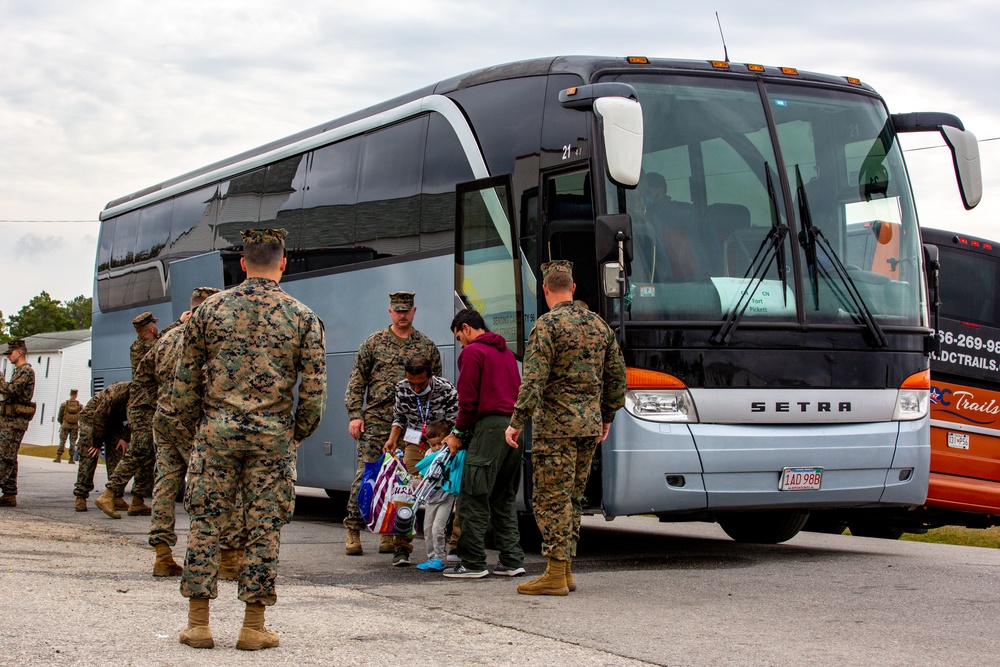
191	272
568	232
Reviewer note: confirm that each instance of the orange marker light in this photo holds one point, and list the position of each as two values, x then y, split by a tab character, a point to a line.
638	60
755	68
919	380
851	79
791	71
640	378
570	92
720	64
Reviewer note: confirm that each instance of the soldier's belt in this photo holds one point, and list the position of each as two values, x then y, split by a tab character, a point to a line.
23	410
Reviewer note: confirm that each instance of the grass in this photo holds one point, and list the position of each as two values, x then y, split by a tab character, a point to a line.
969	537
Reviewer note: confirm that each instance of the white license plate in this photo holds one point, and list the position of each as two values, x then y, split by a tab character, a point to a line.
958	440
800	479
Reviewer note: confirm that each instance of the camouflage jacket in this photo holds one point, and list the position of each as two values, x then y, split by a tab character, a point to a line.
412	411
573	378
377	369
106	414
18	391
244	350
140	346
164	359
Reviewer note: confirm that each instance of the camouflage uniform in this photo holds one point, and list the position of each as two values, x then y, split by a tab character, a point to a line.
377	369
172	451
141	346
244	350
16	392
69	427
573	382
140	459
102	424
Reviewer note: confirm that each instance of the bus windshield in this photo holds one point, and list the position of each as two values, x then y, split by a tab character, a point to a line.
712	229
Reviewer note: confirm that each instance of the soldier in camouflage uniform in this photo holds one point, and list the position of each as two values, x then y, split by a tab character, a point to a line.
69	426
244	350
102	424
156	374
145	332
377	369
573	383
15	415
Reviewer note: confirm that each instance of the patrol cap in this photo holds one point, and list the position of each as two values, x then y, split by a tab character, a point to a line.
143	320
401	301
557	266
264	236
15	344
202	293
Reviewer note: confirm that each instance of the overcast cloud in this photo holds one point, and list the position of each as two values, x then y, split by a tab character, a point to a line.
102	98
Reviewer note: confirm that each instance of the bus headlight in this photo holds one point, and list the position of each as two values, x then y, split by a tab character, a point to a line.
662	405
911	404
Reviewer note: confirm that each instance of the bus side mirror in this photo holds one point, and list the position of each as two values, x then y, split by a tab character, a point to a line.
613	238
932	267
620	122
962	143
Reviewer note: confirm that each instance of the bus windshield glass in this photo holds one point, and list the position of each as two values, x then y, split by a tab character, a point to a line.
712	232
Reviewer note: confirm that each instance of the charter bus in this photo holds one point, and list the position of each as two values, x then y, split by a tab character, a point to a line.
965	385
705	207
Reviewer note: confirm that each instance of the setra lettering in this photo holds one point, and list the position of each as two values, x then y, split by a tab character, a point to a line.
804	406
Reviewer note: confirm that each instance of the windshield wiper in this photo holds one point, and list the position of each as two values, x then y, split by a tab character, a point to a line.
810	237
773	246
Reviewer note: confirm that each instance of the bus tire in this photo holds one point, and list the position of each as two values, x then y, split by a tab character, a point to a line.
883	531
770	527
818	523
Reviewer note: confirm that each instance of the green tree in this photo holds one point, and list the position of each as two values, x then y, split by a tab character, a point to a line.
3	329
79	309
42	314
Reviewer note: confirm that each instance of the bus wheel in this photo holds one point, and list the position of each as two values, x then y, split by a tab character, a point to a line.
769	527
334	494
882	531
818	523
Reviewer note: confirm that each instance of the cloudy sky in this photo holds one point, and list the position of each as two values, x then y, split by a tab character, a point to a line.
101	98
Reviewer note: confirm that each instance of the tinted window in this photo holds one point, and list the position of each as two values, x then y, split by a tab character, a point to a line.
150	281
445	165
122	257
192	223
968	287
239	208
506	118
388	199
104	261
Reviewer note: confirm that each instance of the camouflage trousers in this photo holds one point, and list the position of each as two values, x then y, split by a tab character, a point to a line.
369	449
139	461
490	479
88	464
171	469
73	434
560	470
10	443
218	474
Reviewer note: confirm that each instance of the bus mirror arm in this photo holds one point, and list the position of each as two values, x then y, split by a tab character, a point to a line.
613	240
933	262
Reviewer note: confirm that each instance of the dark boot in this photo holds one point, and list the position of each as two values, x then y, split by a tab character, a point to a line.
8	501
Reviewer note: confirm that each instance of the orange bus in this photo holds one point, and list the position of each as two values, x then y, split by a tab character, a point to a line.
964	484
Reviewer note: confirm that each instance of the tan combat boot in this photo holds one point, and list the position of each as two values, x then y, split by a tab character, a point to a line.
58	458
165	565
230	562
106	503
8	501
353	545
120	504
139	508
81	504
253	635
386	545
197	634
552	582
570	582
